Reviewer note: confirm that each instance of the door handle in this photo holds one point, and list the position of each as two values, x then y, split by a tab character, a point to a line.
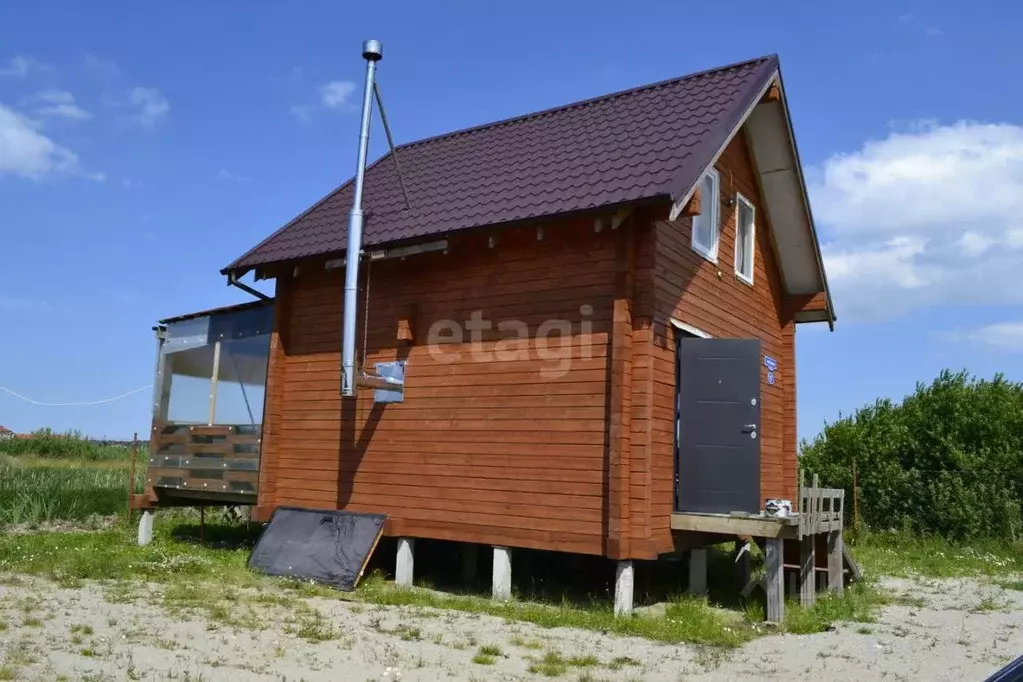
749	428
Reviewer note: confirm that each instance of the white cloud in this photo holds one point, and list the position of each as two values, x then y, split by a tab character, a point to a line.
335	94
926	216
58	103
228	176
22	66
1004	336
101	68
26	152
150	106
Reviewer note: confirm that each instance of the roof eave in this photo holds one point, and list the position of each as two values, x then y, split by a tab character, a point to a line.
832	317
238	271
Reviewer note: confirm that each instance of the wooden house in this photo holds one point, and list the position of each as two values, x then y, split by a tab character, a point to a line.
594	308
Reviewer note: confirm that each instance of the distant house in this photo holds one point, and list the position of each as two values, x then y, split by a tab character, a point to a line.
6	433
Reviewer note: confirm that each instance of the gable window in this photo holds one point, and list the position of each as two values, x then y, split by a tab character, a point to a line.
706	225
745	230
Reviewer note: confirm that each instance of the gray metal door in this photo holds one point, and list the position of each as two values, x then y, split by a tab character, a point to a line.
717	428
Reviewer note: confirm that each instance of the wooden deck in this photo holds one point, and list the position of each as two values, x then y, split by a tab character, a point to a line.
819	522
737	524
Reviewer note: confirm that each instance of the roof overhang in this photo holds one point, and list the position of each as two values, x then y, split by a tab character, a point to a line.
775	158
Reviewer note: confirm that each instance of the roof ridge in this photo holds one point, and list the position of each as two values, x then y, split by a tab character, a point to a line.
584	102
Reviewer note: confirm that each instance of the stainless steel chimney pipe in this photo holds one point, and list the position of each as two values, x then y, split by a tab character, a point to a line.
372	52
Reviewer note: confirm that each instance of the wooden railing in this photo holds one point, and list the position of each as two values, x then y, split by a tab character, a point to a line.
820	509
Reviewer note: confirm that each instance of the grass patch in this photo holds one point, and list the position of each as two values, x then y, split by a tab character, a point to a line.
1012	585
687	620
621	662
551	665
114	555
584	661
21	654
904	555
486	655
490	650
408	634
859	603
315	629
525	643
8	672
36	491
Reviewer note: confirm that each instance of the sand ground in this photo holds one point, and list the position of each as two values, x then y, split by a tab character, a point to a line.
953	630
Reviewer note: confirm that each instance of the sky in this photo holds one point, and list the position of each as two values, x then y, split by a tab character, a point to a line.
144	146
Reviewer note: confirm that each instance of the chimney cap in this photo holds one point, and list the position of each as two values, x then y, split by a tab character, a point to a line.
372	50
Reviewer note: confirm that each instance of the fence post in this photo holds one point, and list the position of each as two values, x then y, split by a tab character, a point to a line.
131	473
856	498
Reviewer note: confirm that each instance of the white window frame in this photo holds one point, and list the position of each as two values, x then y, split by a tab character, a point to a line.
740	200
711	205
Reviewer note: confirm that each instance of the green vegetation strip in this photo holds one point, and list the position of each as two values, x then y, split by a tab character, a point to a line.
901	554
49	444
35	490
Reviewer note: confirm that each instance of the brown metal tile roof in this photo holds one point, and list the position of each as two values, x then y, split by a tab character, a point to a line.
650	141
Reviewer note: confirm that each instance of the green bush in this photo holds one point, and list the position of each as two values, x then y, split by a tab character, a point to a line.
70	445
948	460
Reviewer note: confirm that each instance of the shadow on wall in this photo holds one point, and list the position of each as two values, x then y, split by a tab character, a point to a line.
351	445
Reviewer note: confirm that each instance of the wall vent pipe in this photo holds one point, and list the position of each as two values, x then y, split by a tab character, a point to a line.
372	52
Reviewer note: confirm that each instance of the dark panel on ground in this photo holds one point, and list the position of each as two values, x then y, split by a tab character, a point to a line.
329	547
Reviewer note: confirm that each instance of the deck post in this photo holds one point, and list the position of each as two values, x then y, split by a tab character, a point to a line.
698	572
624	581
808	570
774	580
835	561
146	528
501	586
470	560
403	568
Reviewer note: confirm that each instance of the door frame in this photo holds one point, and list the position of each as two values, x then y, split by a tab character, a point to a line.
682	330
